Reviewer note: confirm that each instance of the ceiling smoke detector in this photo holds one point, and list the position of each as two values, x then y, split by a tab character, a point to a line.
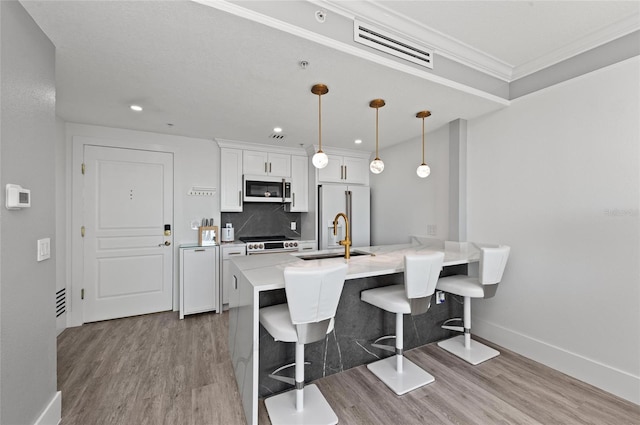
321	16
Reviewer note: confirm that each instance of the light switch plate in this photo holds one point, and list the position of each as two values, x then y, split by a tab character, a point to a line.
44	249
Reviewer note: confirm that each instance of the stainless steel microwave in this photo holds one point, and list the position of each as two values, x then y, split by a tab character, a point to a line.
266	189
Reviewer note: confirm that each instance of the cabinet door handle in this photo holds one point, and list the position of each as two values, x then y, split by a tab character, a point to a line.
265	167
198	250
239	198
235	253
235	282
345	172
341	172
293	200
269	167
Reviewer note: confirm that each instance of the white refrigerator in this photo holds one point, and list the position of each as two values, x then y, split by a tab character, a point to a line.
355	202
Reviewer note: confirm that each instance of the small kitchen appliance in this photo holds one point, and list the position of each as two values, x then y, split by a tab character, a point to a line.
226	233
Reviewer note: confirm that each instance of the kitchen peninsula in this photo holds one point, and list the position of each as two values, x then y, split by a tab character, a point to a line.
258	282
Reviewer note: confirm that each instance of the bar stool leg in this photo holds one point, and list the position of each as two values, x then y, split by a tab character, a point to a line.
303	405
463	346
399	373
467	323
399	341
299	377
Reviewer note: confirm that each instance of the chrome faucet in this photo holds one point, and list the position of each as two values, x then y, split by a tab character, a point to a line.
346	242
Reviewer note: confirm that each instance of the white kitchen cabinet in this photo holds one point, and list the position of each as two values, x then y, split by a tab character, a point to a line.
230	180
345	169
199	288
229	251
259	163
299	184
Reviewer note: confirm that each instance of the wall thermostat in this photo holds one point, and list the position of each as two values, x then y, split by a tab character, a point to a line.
17	197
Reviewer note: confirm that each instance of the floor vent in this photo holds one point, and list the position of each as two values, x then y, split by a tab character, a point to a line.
385	42
61	302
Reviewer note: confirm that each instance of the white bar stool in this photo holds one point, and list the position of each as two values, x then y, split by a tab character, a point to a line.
421	272
492	264
313	294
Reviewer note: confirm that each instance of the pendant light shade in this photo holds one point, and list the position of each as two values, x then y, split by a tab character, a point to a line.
376	165
320	159
423	169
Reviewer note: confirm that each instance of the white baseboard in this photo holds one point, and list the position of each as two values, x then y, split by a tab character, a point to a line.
52	415
607	378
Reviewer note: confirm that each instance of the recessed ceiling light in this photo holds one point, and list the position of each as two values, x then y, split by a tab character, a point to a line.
357	141
136	108
277	129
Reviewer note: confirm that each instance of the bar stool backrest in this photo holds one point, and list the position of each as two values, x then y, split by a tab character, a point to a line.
421	272
492	264
313	294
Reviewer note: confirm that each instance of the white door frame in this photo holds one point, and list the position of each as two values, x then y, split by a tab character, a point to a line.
75	260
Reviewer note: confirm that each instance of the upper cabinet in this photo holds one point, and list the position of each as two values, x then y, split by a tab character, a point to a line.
260	163
241	158
345	169
230	180
299	184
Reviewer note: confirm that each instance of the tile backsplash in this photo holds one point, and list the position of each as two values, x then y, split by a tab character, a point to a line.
262	219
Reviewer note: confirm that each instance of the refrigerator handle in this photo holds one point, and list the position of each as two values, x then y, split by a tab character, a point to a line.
349	215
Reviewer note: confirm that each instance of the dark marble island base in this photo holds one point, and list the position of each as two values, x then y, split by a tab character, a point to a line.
357	325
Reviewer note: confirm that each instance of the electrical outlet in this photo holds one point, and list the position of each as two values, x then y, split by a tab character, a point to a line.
439	297
294	225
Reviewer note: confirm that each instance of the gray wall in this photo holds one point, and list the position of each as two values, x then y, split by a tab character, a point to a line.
27	141
556	177
403	204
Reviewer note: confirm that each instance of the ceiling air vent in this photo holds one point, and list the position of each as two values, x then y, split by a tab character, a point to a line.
276	136
385	42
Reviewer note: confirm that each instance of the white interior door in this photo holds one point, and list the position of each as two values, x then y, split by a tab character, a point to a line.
128	259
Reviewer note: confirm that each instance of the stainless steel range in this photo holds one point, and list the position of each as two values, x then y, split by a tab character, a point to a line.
269	244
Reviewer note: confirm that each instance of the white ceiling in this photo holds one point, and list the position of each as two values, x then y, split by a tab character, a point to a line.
212	73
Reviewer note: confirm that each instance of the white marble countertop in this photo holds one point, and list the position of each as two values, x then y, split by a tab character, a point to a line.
265	272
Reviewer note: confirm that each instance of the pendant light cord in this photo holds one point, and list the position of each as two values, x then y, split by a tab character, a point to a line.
423	140
377	133
319	123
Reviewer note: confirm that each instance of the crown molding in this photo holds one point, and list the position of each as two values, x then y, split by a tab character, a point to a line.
595	39
237	144
417	32
464	54
238	10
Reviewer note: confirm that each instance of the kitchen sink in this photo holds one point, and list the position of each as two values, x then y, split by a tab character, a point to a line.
324	255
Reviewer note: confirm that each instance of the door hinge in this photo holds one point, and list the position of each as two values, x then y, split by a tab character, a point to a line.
83	168
82	294
82	231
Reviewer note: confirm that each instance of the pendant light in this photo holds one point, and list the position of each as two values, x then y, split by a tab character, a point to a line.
320	159
376	165
423	169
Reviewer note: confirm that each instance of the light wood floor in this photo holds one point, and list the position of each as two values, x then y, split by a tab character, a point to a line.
157	369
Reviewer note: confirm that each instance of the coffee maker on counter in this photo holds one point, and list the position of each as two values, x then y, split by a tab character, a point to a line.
226	233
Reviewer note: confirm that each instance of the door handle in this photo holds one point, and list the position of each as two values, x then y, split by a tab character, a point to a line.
167	243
